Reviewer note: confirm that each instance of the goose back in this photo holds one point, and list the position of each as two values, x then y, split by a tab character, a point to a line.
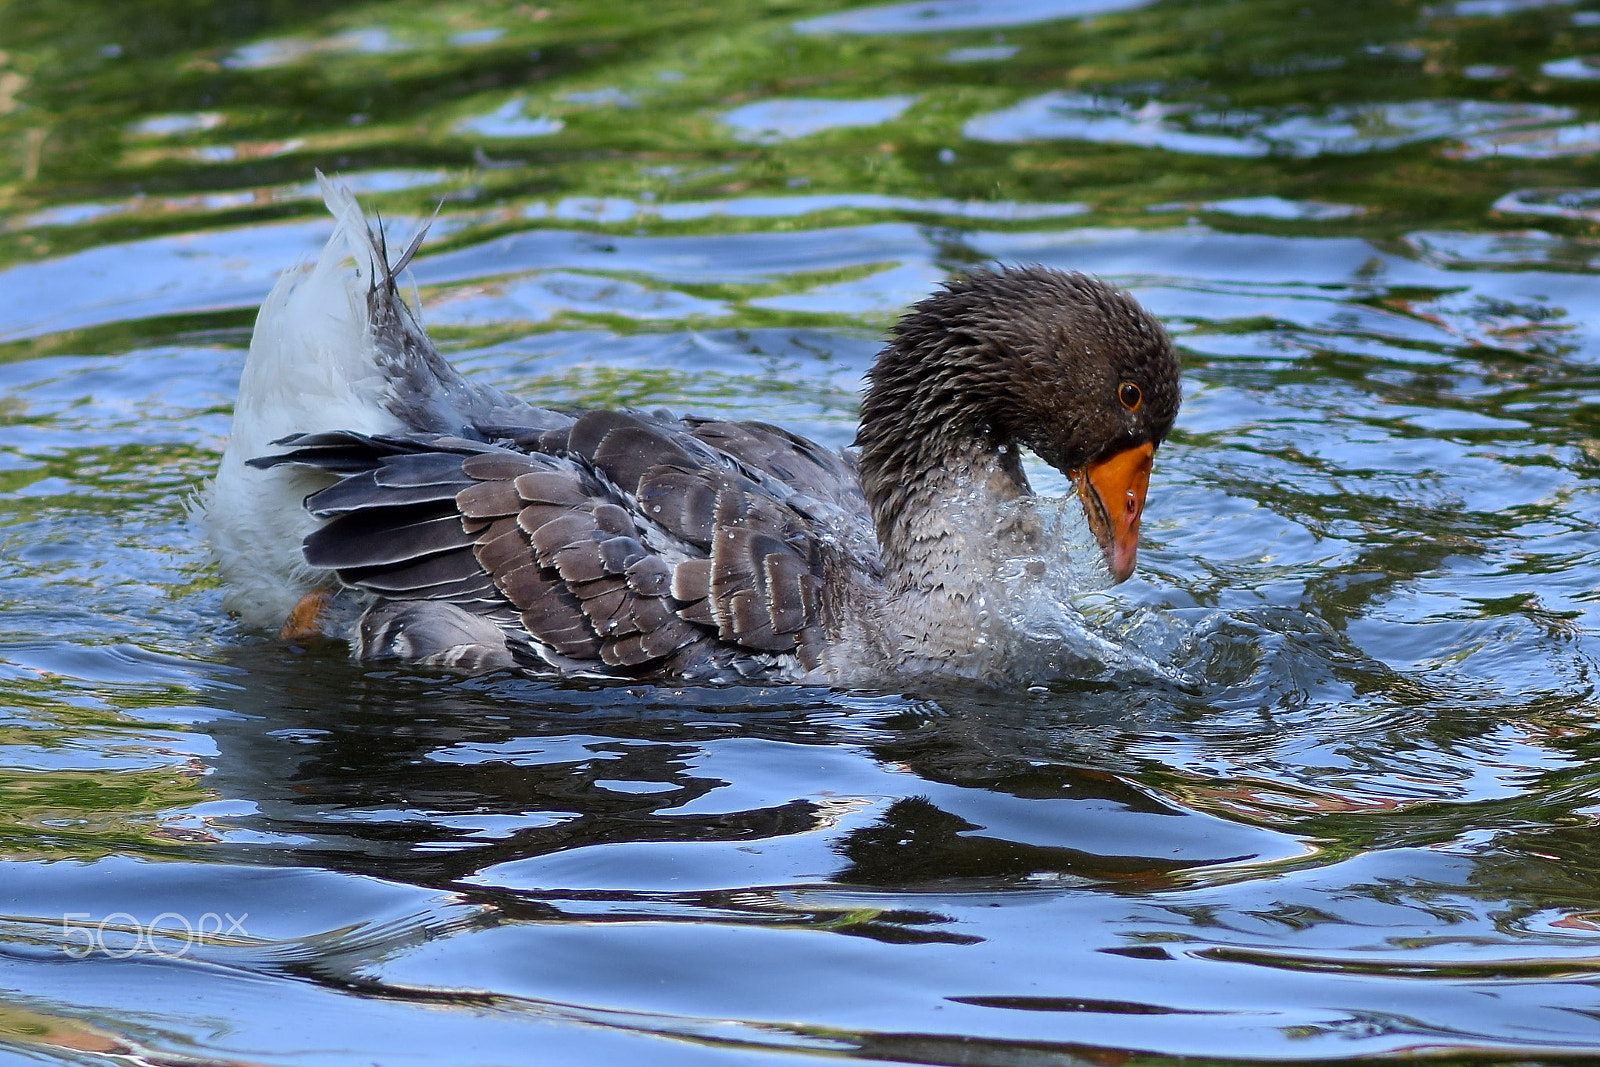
612	542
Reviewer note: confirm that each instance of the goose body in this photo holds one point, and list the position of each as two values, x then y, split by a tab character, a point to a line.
369	492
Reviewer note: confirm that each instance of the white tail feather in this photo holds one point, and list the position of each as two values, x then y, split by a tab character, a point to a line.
311	367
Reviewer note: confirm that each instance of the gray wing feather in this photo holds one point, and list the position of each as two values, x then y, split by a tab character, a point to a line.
617	540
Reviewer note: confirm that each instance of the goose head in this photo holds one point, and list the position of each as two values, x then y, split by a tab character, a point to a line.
1058	362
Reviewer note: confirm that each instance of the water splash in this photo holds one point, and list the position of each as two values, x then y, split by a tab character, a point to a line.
1042	568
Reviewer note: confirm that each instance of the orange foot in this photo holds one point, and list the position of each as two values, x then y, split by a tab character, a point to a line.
304	621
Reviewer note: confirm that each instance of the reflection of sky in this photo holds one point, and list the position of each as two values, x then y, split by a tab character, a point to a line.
615	209
1556	203
769	121
1071	116
1578	67
1524	248
982	54
174	125
1497	8
602	210
941	16
509	120
1579	140
284	51
474	38
372	181
233	153
884	293
374	40
547	295
780	206
1276	207
1336	131
600	97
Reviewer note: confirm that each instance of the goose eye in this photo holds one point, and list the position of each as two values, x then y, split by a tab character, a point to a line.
1130	396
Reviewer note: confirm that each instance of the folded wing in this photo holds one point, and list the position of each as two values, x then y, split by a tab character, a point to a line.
616	543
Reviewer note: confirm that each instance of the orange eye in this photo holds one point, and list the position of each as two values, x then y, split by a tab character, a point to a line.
1130	396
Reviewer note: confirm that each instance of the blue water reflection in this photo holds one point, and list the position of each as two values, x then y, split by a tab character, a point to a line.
946	16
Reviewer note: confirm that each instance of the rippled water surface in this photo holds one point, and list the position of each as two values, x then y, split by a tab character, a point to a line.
1354	813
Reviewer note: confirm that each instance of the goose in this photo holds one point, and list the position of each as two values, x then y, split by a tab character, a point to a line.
368	492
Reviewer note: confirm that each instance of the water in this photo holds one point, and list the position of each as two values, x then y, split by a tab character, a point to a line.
1352	814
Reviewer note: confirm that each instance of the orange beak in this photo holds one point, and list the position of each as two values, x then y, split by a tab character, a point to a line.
1112	491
